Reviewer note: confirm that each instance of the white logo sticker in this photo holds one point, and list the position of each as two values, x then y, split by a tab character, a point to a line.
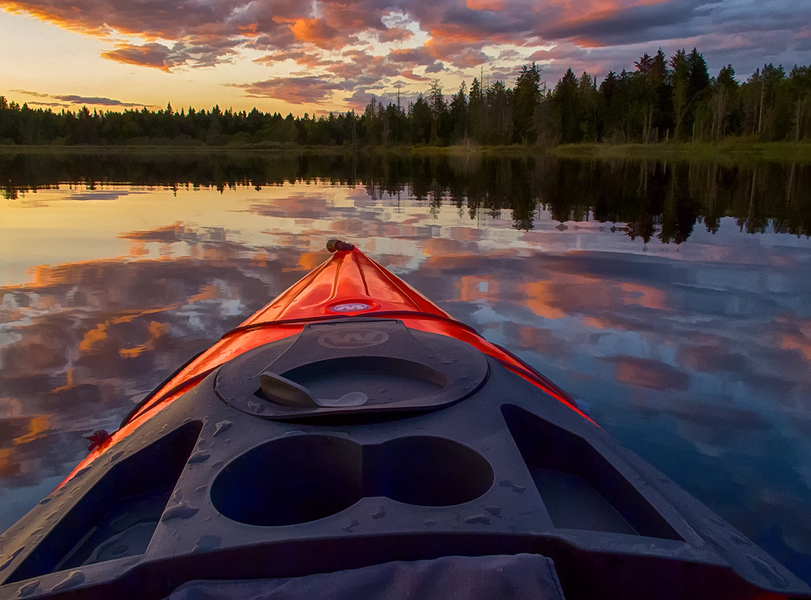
350	307
359	338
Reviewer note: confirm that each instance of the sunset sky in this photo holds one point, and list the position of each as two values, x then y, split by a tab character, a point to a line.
303	56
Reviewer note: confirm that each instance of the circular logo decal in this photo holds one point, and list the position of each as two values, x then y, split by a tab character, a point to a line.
354	338
350	307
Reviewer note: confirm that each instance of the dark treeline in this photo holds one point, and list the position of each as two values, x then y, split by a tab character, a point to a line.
644	199
659	100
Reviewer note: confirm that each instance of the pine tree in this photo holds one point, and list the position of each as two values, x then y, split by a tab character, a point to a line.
566	101
458	115
477	112
680	81
527	95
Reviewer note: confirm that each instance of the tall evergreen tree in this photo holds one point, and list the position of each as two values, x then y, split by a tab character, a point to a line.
498	100
439	110
421	122
527	95
725	89
566	101
458	115
477	112
680	82
799	88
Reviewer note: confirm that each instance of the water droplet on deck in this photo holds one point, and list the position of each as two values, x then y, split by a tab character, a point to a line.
516	488
767	571
256	407
199	456
115	457
12	557
482	519
351	526
73	579
82	471
739	539
221	426
28	589
181	510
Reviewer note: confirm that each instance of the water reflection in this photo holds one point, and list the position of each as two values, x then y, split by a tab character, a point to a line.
664	200
694	354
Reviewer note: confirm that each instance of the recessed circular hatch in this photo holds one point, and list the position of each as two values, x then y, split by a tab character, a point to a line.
351	367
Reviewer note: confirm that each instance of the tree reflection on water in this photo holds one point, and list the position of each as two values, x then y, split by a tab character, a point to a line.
658	199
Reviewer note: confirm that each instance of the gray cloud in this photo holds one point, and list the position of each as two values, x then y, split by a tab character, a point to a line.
94	100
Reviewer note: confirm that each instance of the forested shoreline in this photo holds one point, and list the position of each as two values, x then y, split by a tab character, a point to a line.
661	100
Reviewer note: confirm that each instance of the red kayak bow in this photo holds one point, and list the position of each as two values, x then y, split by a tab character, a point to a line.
348	284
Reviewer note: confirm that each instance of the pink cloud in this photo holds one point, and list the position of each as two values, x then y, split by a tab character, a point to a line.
306	59
295	90
395	34
320	34
149	55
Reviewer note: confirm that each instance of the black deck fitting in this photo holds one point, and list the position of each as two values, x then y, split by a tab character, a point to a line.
334	245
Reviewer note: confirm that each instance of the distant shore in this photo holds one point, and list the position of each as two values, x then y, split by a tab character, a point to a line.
727	151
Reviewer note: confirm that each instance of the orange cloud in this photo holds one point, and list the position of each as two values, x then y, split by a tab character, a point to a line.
395	34
597	323
207	292
539	298
801	340
460	47
93	338
37	427
310	260
535	339
167	233
647	373
474	287
643	295
305	59
316	31
484	4
442	247
156	331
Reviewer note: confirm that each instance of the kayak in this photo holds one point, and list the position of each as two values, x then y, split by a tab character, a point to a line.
351	439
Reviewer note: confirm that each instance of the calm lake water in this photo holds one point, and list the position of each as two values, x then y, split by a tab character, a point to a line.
674	298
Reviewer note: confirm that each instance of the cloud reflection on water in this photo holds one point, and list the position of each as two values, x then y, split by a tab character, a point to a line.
697	356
